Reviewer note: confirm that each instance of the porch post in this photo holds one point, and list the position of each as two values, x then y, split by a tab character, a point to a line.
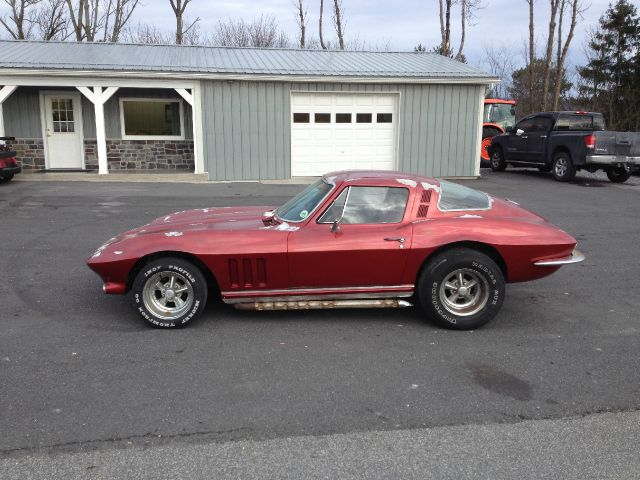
4	94
98	96
190	98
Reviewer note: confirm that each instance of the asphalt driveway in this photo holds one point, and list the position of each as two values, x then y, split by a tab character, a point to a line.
79	370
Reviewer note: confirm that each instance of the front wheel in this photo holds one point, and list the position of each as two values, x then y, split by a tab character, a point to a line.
5	178
169	292
498	163
563	169
618	174
461	289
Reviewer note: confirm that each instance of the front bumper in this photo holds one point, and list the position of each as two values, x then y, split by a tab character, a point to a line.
5	171
612	160
575	257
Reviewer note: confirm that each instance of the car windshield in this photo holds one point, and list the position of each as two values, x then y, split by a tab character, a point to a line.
503	114
301	206
457	197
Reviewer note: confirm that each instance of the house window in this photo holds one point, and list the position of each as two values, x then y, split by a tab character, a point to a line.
343	118
363	118
323	118
145	118
300	118
384	117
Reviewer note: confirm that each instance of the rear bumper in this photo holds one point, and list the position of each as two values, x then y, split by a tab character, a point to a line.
612	160
575	257
9	170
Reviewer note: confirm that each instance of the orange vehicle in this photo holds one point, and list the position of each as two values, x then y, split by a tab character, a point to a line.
498	115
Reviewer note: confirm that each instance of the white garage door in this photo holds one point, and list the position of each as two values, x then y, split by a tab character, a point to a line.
340	131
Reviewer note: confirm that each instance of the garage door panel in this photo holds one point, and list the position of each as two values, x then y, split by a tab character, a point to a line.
317	148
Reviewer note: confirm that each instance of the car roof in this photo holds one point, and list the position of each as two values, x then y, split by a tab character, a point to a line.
378	176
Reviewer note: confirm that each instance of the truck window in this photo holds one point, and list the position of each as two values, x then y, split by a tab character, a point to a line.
575	122
598	123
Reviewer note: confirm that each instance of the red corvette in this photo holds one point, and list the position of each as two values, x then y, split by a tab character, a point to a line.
351	239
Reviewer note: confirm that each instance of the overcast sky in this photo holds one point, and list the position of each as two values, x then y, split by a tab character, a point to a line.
400	23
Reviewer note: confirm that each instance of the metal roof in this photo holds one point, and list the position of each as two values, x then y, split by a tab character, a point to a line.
191	60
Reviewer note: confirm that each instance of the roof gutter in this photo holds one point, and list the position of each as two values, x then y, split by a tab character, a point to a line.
11	75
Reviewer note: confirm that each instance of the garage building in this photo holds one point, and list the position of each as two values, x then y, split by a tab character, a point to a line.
239	113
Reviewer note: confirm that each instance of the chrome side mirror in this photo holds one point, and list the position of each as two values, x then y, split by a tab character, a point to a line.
335	226
519	132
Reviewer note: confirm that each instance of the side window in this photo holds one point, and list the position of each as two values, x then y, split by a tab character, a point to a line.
527	125
368	205
542	124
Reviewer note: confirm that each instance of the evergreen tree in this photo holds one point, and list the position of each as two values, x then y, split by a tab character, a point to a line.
610	82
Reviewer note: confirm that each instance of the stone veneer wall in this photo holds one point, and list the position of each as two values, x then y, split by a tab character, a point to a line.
121	154
142	155
29	153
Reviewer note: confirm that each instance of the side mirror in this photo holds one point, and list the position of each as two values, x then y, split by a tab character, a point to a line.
519	132
335	226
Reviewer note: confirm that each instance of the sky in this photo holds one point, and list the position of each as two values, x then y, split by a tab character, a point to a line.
400	24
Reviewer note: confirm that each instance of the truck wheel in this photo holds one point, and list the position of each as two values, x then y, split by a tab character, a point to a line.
618	174
563	169
5	178
461	289
498	163
169	292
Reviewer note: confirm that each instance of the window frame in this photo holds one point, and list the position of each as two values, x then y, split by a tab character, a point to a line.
124	136
402	220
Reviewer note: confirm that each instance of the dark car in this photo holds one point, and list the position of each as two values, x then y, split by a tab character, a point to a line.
8	164
565	142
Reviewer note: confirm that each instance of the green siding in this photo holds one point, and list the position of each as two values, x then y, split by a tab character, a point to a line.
247	132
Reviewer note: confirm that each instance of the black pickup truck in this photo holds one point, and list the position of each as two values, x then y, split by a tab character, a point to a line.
565	142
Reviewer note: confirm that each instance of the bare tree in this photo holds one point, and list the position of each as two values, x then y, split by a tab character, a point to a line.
468	9
301	19
324	47
577	8
501	64
19	22
532	53
338	21
145	33
445	28
261	32
178	7
549	53
119	12
51	21
86	18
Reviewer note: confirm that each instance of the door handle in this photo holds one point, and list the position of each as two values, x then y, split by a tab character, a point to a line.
395	239
543	136
524	136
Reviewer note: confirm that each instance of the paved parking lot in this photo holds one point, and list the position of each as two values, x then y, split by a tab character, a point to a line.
79	371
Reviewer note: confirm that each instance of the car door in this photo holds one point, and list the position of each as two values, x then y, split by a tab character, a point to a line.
517	141
536	140
368	244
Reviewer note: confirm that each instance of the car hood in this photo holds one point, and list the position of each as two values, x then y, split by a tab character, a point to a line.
215	218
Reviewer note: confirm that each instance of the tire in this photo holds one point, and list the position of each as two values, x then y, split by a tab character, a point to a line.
155	295
562	168
487	134
618	174
498	163
438	289
5	178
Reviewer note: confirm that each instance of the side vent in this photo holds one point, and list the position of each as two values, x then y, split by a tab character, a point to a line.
425	200
252	275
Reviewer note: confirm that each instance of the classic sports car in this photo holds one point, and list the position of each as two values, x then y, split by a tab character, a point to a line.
351	239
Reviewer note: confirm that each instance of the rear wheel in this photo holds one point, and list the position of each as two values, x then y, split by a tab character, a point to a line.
461	289
169	292
487	134
618	174
5	178
498	163
563	169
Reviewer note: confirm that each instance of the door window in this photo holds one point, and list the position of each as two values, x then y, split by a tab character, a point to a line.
62	115
367	205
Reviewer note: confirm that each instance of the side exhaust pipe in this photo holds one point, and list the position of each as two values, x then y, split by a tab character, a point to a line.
321	304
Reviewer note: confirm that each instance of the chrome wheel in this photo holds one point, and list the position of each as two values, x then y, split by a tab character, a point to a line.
561	167
464	292
168	295
496	159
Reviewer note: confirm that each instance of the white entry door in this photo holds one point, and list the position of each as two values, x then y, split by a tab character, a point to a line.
341	131
62	123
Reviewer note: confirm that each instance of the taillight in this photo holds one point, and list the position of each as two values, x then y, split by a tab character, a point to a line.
590	141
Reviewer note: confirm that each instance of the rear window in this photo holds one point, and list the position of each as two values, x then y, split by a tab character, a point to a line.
457	197
579	122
